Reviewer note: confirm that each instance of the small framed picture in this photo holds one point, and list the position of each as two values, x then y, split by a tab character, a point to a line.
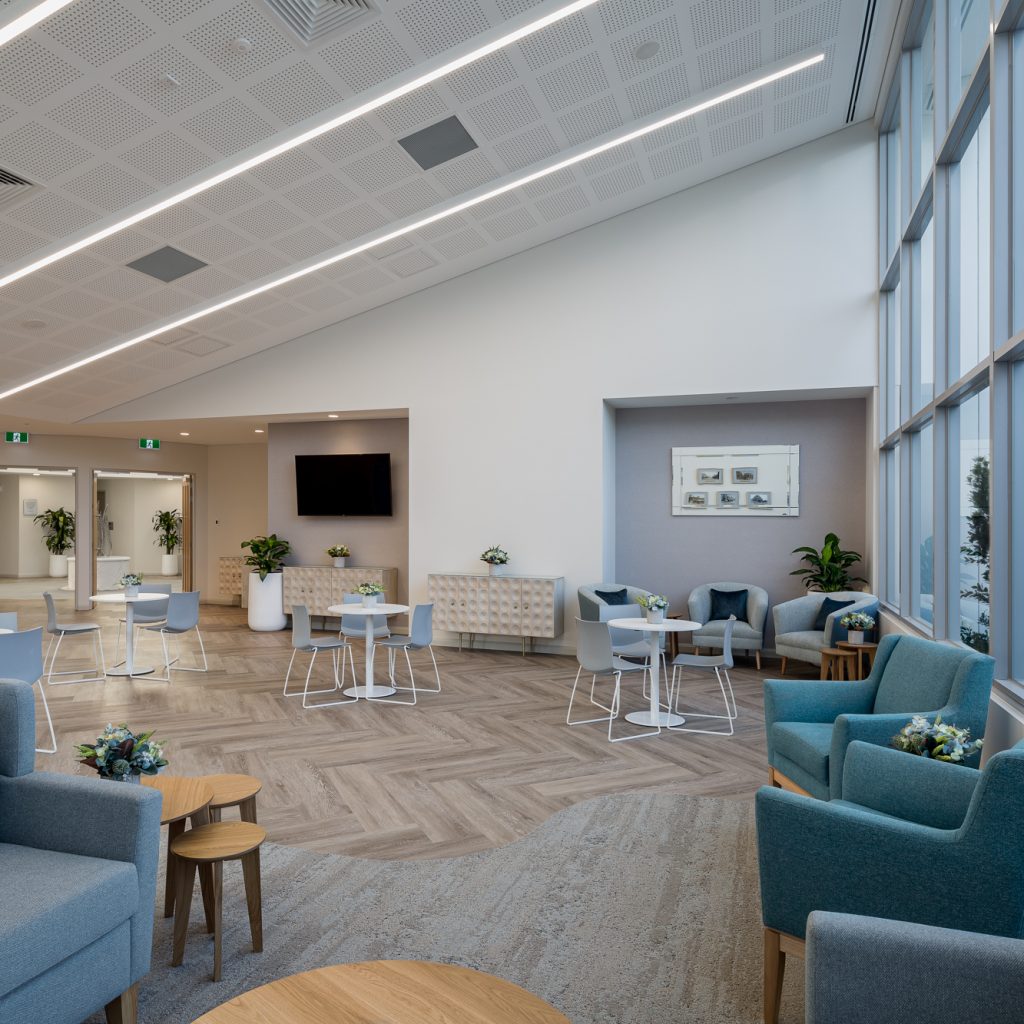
728	499
30	506
744	475
759	499
697	499
710	476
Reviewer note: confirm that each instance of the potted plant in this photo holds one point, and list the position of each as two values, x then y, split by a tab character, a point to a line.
118	754
167	527
131	581
266	587
59	525
936	740
496	558
857	624
828	570
371	593
340	553
654	606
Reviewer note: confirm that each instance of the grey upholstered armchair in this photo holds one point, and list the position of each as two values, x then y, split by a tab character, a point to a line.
600	602
796	633
748	634
78	860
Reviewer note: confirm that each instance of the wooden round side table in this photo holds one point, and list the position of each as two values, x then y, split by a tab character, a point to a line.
387	992
865	652
183	797
838	663
233	791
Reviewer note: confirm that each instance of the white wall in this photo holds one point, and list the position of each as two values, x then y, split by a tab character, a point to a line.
49	492
237	506
763	280
131	504
10	513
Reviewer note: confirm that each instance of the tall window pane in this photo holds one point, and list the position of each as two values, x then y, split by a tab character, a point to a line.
923	320
924	99
974	521
969	33
892	365
971	183
890	155
891	522
1017	199
1016	520
922	498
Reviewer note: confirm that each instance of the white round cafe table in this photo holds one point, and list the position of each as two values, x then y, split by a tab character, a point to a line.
655	718
6	630
369	691
119	597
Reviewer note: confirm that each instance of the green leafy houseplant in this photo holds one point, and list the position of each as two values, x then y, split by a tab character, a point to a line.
266	554
828	570
60	529
167	527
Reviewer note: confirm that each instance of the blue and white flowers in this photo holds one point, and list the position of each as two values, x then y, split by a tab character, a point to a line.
369	589
131	579
495	555
936	740
653	602
119	754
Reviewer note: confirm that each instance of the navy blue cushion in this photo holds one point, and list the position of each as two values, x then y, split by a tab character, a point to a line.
613	596
828	606
729	602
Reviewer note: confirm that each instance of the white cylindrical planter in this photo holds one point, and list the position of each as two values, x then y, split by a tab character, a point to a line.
856	636
58	566
169	564
494	569
340	563
132	590
369	600
266	602
656	616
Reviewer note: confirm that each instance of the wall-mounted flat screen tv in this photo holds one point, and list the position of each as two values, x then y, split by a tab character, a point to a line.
343	485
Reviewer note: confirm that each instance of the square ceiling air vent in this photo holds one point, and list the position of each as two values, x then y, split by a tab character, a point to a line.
439	143
12	187
311	20
166	264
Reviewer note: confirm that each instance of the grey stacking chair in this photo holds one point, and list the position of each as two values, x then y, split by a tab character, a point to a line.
720	665
594	654
9	620
21	657
148	613
182	617
63	629
303	640
355	625
420	638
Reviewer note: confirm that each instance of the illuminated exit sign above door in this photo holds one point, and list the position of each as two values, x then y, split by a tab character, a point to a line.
149	443
16	437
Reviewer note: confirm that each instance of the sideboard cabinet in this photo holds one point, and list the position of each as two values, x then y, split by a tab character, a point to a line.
320	586
530	607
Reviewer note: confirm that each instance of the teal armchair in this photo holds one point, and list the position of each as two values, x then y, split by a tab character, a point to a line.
910	839
809	724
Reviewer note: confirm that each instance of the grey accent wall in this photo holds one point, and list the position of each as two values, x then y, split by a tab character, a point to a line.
375	541
673	554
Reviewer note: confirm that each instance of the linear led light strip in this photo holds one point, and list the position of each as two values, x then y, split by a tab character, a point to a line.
34	15
302	138
450	211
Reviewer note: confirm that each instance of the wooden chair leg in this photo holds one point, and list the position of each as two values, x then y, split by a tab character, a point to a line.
757	659
218	917
186	880
174	829
214	814
774	971
247	809
782	671
125	1008
254	897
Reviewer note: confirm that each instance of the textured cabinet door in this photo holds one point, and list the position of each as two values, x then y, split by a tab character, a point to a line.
229	574
295	587
505	617
320	588
538	608
442	591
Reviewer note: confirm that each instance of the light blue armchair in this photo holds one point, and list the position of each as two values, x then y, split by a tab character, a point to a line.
748	632
809	724
911	839
78	859
595	608
799	636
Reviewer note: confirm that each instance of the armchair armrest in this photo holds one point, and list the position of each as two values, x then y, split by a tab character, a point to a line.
796	615
912	788
806	700
863	968
834	632
698	604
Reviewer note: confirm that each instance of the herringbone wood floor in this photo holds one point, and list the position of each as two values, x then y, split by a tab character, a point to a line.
471	768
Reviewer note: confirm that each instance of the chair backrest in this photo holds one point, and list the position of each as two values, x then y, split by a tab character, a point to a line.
51	612
590	603
422	632
8	620
727	641
358	622
593	646
621	611
699	602
21	655
301	635
18	727
153	609
922	675
182	610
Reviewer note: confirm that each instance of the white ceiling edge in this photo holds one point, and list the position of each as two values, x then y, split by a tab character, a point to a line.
738	398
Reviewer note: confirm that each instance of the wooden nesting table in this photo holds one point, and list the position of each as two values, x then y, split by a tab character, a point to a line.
387	992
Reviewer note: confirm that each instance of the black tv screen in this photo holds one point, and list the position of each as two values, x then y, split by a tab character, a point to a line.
343	485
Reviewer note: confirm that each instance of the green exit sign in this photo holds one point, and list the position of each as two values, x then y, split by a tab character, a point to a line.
16	437
149	443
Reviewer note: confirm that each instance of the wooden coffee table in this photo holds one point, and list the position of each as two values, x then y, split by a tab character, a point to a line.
387	992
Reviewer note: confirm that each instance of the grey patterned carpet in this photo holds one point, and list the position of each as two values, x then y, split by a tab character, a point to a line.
636	909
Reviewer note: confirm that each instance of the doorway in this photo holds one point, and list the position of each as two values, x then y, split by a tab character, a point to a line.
142	524
37	532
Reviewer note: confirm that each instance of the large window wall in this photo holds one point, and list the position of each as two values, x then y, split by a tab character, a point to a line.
951	325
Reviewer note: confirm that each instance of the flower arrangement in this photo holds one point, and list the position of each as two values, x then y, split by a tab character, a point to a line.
652	602
857	621
339	551
936	740
370	589
495	555
121	755
131	579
